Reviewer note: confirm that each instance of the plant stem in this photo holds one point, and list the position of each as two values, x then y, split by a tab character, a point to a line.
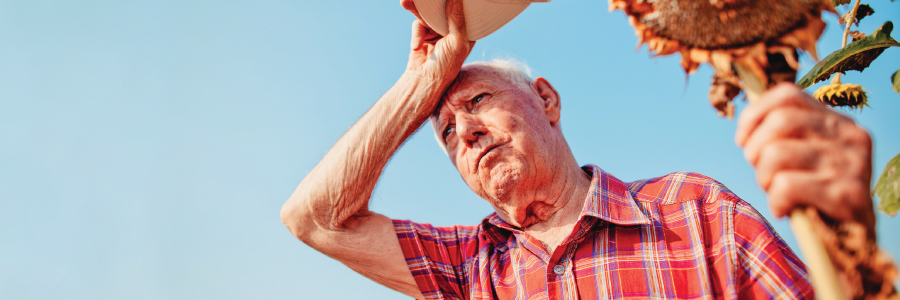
821	270
850	18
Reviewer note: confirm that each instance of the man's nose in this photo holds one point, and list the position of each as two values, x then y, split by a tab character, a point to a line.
469	128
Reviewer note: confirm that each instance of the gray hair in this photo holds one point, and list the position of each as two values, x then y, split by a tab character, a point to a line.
512	70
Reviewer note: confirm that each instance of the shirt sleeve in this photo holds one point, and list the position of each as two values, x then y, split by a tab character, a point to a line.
767	268
437	257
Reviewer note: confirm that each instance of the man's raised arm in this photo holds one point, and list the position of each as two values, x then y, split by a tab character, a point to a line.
329	209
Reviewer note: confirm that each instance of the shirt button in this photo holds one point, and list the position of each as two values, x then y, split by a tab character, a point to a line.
559	269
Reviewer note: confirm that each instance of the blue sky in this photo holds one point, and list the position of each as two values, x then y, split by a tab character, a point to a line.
146	147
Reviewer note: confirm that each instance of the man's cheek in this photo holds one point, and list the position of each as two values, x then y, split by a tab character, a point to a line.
461	165
453	161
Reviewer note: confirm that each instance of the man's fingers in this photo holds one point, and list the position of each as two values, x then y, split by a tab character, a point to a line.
422	35
782	95
785	155
784	123
418	35
792	189
456	19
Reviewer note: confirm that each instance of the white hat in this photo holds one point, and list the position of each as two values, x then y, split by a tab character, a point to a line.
483	17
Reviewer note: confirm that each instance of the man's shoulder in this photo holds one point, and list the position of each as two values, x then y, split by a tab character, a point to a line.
680	187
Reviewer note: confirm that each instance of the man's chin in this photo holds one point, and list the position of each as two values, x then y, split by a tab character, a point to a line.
501	187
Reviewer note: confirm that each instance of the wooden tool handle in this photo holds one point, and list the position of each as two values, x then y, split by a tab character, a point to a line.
821	271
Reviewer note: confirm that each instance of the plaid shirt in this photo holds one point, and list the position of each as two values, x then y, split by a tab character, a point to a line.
680	236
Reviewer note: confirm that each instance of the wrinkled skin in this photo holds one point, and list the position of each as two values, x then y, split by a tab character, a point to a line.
329	210
504	139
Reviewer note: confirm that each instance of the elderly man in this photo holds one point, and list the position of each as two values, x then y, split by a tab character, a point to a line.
562	231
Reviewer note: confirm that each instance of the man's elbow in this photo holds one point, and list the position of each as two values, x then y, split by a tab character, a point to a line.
304	215
296	219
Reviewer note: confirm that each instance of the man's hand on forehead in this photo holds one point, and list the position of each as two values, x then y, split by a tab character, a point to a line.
434	56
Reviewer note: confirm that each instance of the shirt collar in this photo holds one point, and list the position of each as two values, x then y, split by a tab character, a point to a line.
608	200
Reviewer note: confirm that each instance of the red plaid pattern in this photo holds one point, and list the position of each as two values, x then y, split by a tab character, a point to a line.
680	236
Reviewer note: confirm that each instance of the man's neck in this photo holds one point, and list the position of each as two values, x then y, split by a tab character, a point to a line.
552	231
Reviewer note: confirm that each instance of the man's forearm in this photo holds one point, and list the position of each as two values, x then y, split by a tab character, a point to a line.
338	189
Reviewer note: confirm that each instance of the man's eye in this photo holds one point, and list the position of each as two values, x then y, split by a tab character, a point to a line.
478	98
447	131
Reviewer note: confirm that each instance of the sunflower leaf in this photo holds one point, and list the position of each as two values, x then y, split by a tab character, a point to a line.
888	187
855	56
837	3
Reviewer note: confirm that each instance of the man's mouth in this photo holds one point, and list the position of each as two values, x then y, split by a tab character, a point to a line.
482	154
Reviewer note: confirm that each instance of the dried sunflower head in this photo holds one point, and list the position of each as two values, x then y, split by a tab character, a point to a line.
762	35
842	94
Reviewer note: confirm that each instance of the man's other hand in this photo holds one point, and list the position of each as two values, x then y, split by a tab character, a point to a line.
807	154
434	56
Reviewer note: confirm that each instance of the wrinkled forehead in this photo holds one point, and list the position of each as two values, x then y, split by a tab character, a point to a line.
469	77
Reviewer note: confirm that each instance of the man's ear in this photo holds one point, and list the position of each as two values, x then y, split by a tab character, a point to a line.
549	98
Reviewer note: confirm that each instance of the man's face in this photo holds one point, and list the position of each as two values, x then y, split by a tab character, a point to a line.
499	137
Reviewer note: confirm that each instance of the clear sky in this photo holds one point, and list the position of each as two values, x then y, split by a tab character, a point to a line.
146	147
